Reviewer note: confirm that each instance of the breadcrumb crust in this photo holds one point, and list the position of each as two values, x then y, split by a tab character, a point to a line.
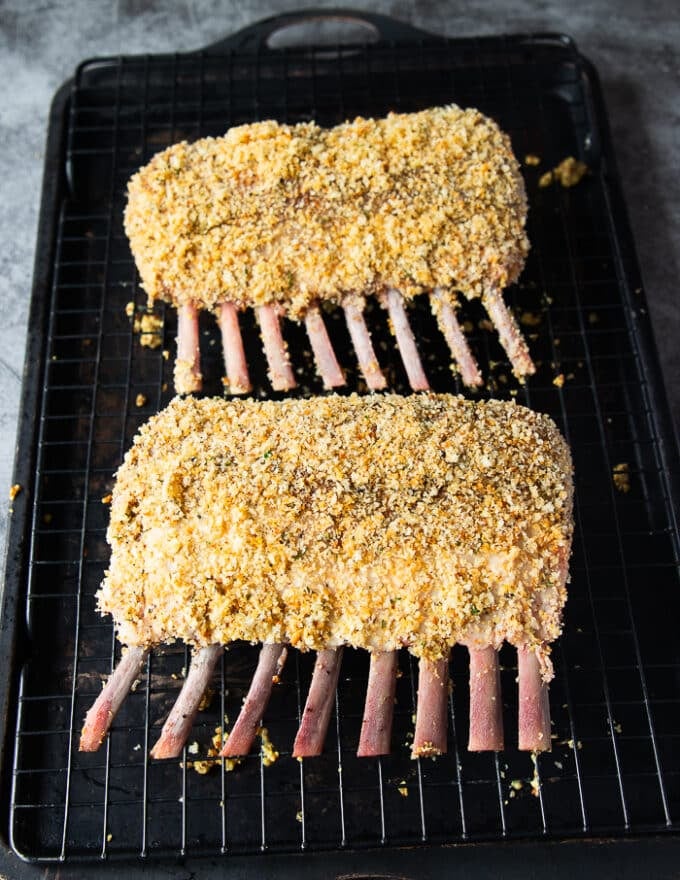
294	214
377	522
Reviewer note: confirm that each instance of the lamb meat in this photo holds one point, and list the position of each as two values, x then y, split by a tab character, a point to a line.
286	218
378	523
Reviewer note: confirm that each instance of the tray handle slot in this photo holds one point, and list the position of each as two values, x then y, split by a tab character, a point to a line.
317	27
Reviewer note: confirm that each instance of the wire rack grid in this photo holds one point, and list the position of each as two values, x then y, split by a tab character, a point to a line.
615	764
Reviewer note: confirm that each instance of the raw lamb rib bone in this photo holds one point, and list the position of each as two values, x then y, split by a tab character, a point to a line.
284	219
377	522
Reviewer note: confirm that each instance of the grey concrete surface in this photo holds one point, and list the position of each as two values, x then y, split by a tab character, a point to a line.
635	46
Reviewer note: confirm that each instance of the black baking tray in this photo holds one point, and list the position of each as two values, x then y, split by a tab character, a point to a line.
614	772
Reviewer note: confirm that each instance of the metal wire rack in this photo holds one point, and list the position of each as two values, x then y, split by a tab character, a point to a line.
615	764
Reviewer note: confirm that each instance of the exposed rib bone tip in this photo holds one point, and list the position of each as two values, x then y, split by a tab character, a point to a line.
376	727
188	378
316	716
462	356
363	347
275	349
534	704
509	333
242	735
430	736
177	728
394	303
105	708
324	356
238	378
486	708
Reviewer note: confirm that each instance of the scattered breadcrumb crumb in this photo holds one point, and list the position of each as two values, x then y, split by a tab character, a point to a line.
149	327
129	309
107	499
530	319
205	765
621	476
14	491
206	699
109	837
166	354
298	816
535	782
558	381
141	400
568	173
617	727
532	159
516	784
403	789
269	753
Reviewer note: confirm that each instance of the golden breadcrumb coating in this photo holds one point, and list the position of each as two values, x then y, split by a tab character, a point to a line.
376	522
292	214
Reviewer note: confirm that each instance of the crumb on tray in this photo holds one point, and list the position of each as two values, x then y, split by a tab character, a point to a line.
269	753
568	173
530	319
149	327
621	477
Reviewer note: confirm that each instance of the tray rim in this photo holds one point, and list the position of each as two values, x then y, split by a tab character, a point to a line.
15	562
54	188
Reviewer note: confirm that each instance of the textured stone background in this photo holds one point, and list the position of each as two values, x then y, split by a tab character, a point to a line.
635	46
